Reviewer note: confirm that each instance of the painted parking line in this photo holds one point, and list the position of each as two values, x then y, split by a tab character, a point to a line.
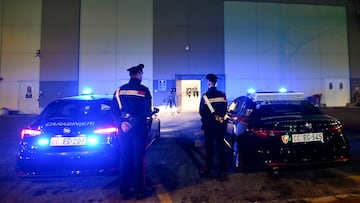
355	178
164	198
327	199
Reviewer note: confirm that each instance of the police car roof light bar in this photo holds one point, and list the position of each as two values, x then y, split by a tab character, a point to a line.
277	96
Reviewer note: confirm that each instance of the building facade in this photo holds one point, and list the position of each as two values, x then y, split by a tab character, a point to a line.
55	48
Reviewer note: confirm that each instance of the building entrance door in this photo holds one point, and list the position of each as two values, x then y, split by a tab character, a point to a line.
189	95
336	92
28	95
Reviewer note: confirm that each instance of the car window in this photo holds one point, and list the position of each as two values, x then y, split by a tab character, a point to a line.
241	106
285	108
76	109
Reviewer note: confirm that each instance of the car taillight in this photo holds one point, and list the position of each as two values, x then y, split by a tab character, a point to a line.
110	130
335	127
267	133
29	132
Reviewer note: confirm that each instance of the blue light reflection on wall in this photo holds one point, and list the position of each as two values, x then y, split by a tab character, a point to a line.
272	44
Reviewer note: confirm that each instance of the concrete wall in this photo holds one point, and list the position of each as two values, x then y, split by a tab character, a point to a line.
59	59
20	40
92	42
115	35
296	46
188	42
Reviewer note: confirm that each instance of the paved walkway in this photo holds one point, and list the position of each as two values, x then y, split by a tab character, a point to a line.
178	121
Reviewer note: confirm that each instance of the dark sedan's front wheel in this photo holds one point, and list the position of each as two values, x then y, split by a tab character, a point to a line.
239	162
157	134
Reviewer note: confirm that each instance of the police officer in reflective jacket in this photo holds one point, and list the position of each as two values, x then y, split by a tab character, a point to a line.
131	107
213	106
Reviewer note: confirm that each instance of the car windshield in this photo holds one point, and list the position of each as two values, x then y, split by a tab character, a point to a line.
241	106
285	108
75	109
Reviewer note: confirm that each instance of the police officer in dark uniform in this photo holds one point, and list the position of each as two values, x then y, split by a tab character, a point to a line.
213	107
131	107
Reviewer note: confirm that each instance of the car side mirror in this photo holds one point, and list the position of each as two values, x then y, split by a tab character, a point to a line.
156	110
230	116
230	113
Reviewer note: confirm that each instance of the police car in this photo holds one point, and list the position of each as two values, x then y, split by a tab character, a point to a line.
278	130
74	136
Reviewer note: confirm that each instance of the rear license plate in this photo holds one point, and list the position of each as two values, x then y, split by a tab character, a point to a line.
67	141
307	137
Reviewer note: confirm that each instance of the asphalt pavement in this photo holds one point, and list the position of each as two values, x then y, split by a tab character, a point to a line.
175	124
349	116
175	173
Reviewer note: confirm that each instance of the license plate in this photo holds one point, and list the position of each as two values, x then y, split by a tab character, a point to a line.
67	141
307	137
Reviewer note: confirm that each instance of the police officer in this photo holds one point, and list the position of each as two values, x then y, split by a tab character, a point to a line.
213	106
131	107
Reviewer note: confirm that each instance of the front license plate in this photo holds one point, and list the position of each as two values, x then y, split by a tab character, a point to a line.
67	141
307	137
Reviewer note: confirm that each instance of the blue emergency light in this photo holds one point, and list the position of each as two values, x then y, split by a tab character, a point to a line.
92	140
251	90
282	90
87	91
43	142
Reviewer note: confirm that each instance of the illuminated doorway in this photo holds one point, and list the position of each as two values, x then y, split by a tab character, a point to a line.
336	92
189	95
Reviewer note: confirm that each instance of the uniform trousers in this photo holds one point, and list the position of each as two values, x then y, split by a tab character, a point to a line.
132	160
211	134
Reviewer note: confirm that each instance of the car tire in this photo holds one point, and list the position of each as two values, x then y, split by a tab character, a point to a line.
157	136
240	164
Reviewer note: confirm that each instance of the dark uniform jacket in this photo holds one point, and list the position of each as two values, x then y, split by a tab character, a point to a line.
135	101
217	99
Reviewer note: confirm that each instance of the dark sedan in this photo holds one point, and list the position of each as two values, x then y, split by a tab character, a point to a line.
74	136
279	130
